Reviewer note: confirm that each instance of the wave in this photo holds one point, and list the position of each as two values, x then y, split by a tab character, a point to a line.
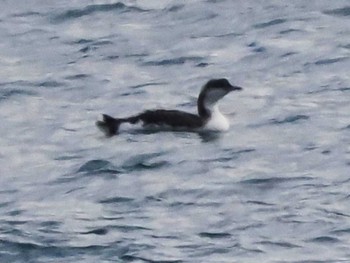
92	9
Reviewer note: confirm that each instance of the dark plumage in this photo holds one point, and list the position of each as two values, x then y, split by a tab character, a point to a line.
172	118
211	92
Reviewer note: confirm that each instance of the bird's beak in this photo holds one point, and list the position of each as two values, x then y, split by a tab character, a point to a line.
235	88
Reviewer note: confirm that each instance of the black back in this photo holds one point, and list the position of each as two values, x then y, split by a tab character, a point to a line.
173	118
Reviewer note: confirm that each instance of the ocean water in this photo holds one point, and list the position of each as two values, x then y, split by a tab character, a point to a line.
274	188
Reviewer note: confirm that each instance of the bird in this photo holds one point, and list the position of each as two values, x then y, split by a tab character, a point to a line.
208	118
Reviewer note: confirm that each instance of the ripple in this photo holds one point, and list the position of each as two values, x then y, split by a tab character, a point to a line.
330	61
44	251
92	9
214	235
5	204
82	41
225	35
98	166
328	89
97	231
202	65
50	227
94	165
149	84
77	76
288	31
278	244
67	157
16	212
175	8
260	203
130	228
112	57
274	180
117	199
324	239
344	89
257	48
27	14
143	161
271	23
229	155
50	84
342	231
345	11
131	258
9	93
290	119
132	93
288	54
50	224
87	49
94	45
21	245
173	61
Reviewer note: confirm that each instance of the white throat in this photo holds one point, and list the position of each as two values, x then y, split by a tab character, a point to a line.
217	121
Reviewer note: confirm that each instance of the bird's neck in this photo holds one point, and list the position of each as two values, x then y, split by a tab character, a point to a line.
206	108
217	121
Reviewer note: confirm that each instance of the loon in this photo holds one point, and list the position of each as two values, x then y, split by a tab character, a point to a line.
209	117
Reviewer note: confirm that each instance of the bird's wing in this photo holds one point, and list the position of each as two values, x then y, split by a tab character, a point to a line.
172	118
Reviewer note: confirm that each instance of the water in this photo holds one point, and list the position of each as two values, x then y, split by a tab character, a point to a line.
275	188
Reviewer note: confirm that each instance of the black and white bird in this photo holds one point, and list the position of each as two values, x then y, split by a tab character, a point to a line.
209	117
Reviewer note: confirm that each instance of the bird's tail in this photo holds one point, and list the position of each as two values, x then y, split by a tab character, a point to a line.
109	125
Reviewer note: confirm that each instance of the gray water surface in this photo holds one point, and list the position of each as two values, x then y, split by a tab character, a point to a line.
274	188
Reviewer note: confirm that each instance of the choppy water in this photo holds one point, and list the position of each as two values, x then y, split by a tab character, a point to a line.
275	188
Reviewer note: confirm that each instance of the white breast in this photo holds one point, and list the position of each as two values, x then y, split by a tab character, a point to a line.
217	121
